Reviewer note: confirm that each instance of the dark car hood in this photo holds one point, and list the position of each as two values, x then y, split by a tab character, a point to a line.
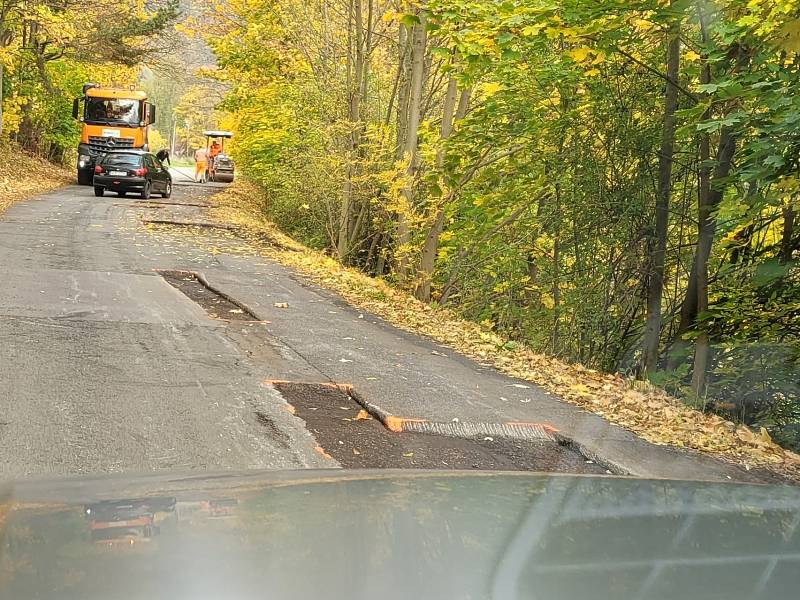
420	535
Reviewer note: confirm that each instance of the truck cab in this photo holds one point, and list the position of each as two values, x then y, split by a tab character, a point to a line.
111	119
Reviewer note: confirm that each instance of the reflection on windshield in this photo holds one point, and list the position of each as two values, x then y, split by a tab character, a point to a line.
100	110
126	522
504	537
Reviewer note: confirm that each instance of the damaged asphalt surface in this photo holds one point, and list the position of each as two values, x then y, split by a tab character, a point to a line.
106	366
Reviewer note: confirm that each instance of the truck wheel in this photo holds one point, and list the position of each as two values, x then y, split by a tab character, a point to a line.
85	177
99	191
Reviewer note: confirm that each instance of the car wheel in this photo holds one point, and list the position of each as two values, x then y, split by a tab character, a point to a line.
99	191
167	190
146	191
122	194
85	177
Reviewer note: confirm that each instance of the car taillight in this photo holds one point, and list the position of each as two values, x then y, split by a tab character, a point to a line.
98	169
140	172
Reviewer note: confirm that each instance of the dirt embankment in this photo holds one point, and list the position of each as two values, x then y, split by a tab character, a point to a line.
23	176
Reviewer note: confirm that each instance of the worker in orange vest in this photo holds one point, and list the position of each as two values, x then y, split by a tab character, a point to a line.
200	164
213	152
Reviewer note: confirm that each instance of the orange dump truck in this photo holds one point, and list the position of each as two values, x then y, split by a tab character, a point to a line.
111	118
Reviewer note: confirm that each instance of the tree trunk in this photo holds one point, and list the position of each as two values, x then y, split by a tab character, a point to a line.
655	287
556	288
463	103
410	149
5	40
702	253
367	52
404	86
374	248
680	347
708	200
787	239
172	137
1	99
356	67
41	67
431	244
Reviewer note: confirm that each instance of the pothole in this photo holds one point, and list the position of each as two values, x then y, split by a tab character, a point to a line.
349	434
217	305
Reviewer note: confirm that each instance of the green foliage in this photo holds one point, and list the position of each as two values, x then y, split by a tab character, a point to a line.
541	202
50	49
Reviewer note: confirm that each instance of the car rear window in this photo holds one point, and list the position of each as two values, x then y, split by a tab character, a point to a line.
122	160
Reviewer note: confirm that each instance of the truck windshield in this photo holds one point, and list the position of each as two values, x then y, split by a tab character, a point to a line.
112	110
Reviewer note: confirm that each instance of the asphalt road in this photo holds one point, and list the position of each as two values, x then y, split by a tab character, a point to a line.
108	366
105	367
112	360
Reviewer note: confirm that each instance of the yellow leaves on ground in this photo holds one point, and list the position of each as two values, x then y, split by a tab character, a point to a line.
637	406
362	415
23	176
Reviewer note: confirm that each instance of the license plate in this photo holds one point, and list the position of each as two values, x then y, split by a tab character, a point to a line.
117	173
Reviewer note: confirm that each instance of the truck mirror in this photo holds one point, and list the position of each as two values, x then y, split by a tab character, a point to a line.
75	107
152	110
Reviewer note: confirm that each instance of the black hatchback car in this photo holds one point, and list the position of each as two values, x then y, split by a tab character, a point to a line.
134	171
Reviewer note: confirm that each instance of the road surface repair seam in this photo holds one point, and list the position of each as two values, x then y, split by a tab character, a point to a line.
456	429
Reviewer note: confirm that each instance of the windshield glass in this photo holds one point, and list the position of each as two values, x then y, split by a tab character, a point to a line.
122	160
112	110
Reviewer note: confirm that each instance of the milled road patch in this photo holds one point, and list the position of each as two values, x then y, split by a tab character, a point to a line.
215	304
347	433
176	223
